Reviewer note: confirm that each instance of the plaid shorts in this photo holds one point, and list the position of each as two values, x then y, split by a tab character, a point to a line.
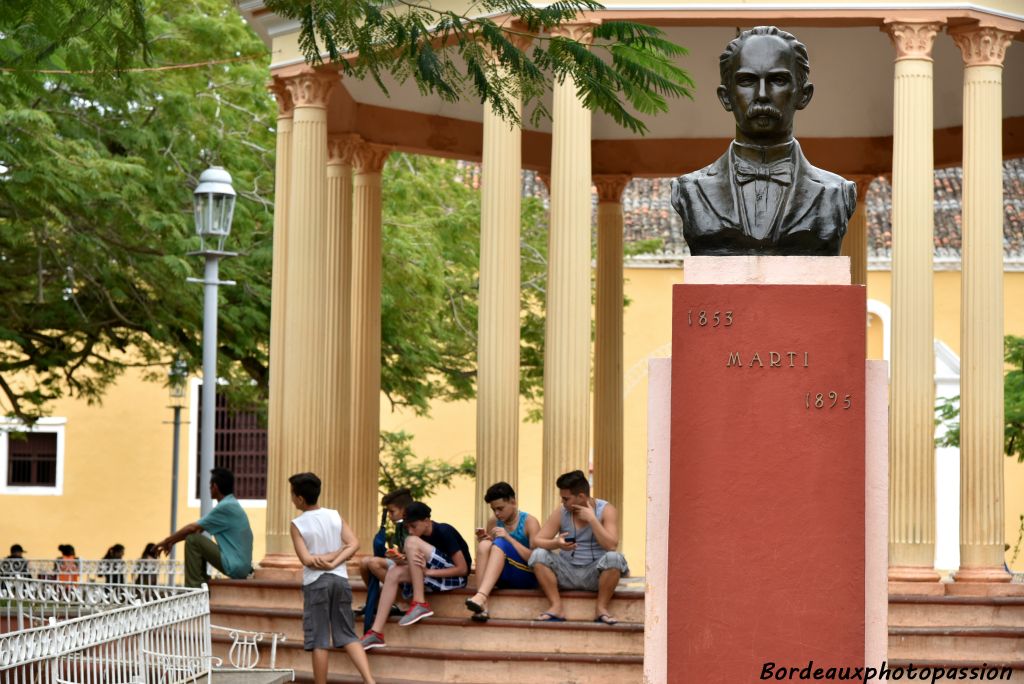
438	561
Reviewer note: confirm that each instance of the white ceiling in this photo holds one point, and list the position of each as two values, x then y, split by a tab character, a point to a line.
851	68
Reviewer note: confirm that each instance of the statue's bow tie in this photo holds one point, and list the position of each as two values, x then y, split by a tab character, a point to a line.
780	172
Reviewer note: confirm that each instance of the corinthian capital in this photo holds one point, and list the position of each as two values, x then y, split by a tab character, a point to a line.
312	88
610	187
982	46
581	33
285	106
341	149
370	158
912	41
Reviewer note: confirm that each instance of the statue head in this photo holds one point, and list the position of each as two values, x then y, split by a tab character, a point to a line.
765	75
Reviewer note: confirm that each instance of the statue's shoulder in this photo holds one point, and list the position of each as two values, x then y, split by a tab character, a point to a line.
827	178
844	191
687	182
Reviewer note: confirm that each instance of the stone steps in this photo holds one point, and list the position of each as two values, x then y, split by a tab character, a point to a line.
512	604
957	631
455	633
445	665
449	647
963	611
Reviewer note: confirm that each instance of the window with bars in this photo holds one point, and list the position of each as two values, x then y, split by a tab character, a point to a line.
240	445
32	459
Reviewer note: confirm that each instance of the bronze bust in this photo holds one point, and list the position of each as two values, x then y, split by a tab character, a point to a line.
762	196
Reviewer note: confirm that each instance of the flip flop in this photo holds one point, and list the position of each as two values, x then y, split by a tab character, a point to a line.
606	619
475	607
549	617
482	616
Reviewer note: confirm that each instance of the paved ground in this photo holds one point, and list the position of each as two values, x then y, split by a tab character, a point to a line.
251	677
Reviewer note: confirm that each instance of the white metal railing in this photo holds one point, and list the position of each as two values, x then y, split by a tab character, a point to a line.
162	571
64	632
244	653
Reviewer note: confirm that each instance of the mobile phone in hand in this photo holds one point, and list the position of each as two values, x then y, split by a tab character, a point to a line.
570	540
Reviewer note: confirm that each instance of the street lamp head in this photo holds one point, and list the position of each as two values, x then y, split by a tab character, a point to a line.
176	379
214	206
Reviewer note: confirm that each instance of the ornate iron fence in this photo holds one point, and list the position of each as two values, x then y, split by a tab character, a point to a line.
163	572
67	632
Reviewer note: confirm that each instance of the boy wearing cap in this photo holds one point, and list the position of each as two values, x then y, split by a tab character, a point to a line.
437	558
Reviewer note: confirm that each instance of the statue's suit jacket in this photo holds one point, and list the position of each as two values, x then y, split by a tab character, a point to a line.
818	207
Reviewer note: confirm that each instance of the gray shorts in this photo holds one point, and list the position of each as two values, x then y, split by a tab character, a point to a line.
327	613
579	577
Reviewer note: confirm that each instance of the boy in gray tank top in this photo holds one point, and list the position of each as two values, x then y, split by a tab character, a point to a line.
576	549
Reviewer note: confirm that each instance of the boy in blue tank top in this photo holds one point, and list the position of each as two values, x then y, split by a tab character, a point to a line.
503	550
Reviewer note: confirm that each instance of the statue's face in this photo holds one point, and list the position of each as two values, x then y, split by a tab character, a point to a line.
764	94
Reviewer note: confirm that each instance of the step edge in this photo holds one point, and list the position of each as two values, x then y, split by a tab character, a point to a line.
458	654
568	625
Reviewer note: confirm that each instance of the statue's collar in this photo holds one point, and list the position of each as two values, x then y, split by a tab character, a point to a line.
763	154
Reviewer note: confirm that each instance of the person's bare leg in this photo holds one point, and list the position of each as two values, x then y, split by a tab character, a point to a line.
483	549
388	591
491	573
364	568
378	567
418	552
488	555
549	585
606	584
358	657
320	665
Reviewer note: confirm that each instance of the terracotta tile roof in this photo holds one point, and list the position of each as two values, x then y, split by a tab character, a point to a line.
648	213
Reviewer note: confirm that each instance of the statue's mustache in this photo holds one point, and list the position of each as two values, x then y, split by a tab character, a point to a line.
759	109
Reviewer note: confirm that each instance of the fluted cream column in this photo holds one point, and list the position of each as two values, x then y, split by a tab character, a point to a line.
567	316
364	505
855	244
497	405
911	426
336	345
981	305
278	501
301	444
608	412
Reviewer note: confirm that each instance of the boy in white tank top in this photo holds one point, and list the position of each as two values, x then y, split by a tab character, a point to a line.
324	544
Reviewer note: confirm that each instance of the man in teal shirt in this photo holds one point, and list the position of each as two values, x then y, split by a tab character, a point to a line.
232	552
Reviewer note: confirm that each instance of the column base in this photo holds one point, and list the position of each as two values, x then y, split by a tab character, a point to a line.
279	566
982	575
912	574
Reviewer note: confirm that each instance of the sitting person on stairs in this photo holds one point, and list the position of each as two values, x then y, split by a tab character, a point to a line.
437	559
503	551
576	549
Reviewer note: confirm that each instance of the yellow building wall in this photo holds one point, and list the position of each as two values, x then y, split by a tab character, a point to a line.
117	479
118	454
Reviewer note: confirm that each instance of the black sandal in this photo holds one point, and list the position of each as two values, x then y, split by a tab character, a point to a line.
475	607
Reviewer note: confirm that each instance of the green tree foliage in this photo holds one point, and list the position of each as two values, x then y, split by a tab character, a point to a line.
95	224
399	467
948	411
430	283
106	35
457	52
97	173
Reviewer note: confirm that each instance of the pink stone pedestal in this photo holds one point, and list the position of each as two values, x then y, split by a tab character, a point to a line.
716	618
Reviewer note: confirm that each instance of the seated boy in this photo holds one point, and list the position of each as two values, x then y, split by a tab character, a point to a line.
436	558
373	568
585	533
504	549
323	544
